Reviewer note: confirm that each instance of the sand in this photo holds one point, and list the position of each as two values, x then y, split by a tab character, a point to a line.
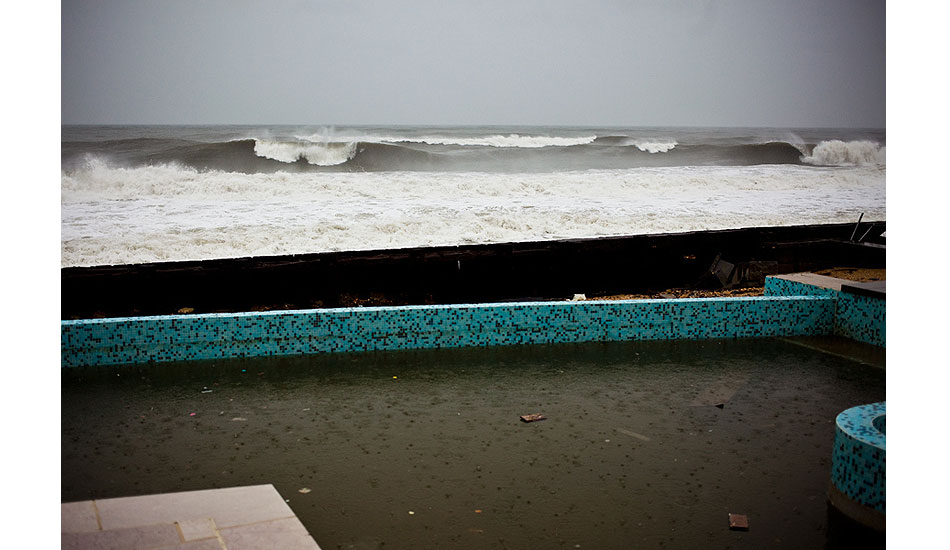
856	274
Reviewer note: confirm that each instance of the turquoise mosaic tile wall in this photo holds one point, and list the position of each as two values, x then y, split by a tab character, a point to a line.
861	318
212	336
858	317
859	458
776	286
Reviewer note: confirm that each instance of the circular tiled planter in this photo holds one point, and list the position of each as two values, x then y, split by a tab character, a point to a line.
858	464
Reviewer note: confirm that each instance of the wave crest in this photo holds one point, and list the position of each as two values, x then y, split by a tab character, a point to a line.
654	146
320	154
511	140
851	153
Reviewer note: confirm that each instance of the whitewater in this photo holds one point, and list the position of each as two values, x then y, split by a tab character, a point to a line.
137	195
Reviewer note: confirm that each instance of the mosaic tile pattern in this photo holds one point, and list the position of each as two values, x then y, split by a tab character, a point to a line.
858	461
212	336
778	286
861	318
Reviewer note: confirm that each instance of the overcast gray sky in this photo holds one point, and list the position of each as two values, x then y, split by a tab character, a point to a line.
666	63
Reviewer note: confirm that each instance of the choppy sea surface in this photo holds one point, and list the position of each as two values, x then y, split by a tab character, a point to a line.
134	194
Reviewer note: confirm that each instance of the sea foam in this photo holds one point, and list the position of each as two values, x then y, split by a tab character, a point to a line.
113	215
851	153
653	146
320	154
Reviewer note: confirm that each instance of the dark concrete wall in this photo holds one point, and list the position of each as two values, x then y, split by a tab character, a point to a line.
459	274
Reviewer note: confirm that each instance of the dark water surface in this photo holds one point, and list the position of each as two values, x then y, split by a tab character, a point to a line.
634	453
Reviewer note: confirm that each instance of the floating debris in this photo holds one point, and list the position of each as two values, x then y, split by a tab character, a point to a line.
303	490
206	390
738	522
533	417
633	434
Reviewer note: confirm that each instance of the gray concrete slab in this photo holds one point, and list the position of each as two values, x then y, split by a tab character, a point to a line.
822	281
197	529
78	517
228	507
205	544
142	537
233	518
286	534
874	289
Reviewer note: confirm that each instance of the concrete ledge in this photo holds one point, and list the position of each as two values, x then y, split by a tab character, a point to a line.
813	279
451	274
215	519
875	289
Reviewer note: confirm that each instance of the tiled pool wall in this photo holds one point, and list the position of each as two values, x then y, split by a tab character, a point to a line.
861	318
858	463
216	336
780	286
213	336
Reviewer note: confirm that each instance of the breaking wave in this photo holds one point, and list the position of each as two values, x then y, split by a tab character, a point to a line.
512	140
851	153
259	155
156	193
319	154
654	146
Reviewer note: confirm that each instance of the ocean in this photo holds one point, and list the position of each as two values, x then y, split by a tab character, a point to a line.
136	194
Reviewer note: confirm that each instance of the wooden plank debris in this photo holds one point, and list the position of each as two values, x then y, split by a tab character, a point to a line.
738	522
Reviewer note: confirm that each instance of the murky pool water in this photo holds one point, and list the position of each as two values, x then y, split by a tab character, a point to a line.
426	449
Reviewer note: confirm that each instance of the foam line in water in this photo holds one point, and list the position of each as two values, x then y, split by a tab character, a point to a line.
116	215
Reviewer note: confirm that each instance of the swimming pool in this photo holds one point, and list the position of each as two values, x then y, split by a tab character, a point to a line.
635	451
